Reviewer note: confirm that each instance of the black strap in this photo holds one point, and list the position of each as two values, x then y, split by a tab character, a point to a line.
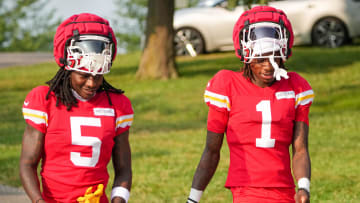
247	23
74	22
191	200
307	192
76	34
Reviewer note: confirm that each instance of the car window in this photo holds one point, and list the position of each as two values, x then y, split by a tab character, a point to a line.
209	3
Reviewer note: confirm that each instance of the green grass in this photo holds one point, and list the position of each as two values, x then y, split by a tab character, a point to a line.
168	133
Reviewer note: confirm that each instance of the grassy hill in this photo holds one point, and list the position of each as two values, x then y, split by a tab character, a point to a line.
168	133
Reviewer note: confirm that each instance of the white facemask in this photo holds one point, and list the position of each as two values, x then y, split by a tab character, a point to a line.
90	54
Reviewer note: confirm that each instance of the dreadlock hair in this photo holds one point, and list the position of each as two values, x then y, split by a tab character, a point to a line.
248	73
61	86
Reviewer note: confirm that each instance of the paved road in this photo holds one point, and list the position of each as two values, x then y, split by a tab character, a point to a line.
12	195
8	59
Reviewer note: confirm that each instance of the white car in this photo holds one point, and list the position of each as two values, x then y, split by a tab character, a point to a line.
208	26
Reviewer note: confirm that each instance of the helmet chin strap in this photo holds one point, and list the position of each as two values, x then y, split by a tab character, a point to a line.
278	72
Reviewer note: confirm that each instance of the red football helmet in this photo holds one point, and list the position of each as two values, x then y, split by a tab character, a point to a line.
85	43
260	30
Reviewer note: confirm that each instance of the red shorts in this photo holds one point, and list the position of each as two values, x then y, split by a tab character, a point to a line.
263	195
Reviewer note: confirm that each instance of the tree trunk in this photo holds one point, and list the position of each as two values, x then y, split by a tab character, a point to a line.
158	57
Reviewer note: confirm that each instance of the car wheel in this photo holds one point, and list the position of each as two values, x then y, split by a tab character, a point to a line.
329	32
188	41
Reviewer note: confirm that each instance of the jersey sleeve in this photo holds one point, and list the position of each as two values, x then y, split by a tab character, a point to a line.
217	92
124	113
35	108
304	96
217	97
217	121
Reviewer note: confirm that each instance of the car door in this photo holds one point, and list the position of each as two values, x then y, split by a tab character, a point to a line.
222	24
298	12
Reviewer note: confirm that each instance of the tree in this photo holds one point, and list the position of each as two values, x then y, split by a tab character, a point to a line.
232	4
131	23
22	28
191	3
158	57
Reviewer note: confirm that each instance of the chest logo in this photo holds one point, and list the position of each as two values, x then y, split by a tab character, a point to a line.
104	112
285	95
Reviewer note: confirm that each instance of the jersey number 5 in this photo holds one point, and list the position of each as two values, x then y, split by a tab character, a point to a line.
77	139
265	141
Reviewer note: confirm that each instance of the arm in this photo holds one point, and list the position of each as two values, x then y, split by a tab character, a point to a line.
209	161
301	160
121	157
31	152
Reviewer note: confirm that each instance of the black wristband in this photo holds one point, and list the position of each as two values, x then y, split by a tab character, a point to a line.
191	200
308	193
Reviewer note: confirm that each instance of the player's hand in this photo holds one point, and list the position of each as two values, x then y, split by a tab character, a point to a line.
302	197
92	197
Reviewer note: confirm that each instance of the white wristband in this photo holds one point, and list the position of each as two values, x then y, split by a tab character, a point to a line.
304	183
195	194
120	192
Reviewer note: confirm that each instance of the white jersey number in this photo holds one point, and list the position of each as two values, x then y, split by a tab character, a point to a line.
265	141
77	139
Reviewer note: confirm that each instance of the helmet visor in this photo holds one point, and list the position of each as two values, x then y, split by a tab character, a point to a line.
92	46
257	33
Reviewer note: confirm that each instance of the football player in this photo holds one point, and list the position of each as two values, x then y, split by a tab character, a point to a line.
77	123
263	109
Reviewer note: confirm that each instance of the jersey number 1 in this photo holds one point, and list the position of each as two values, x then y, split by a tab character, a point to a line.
265	141
77	139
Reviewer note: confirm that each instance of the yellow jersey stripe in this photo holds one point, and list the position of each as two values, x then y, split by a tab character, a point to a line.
224	101
35	116
218	100
298	101
123	121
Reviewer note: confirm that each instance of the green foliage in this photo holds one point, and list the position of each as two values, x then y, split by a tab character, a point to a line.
23	28
191	3
131	23
168	133
232	4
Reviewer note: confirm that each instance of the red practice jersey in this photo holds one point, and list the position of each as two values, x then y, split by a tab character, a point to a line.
259	125
78	143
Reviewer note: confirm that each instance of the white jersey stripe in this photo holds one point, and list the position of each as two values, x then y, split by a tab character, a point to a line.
304	98
124	121
35	116
218	100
